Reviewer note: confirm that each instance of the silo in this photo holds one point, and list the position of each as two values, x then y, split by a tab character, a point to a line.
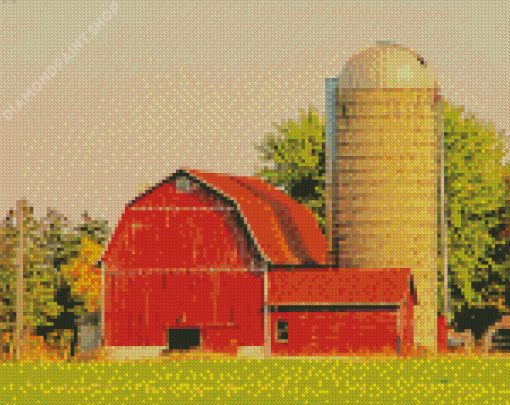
383	171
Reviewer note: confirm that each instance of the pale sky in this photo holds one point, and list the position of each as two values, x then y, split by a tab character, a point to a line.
166	84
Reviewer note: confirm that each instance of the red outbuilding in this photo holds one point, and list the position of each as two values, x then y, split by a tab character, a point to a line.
322	311
226	262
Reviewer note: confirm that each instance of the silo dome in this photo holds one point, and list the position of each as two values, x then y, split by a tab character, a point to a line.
385	66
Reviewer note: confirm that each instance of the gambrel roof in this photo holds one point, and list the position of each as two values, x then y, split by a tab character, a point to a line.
282	230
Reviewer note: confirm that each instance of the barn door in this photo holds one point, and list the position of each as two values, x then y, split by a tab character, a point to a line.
183	338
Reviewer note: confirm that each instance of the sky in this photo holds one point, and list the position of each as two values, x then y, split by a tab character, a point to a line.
152	86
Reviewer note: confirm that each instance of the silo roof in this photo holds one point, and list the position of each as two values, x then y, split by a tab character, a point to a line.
387	65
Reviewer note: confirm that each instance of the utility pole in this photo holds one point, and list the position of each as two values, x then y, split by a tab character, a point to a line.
19	288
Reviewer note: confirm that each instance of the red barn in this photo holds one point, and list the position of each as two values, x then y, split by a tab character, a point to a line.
224	262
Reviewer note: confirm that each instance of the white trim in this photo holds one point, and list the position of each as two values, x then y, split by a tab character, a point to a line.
126	353
175	270
182	209
399	329
277	331
256	352
346	304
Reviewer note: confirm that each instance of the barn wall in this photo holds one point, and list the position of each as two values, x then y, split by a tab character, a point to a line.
183	239
329	333
124	298
167	229
224	305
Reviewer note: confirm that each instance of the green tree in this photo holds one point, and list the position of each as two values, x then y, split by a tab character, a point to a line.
73	253
61	242
51	246
84	277
7	288
39	278
95	230
476	204
297	153
476	201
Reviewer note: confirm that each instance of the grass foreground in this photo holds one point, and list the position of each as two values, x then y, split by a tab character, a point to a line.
200	379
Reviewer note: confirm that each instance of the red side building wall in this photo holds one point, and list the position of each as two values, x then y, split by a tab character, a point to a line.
328	333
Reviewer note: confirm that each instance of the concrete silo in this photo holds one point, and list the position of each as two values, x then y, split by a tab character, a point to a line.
383	171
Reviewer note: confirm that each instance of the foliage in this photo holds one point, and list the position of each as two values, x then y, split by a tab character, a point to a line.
95	230
39	278
60	242
297	152
63	331
479	218
80	249
476	196
83	275
57	259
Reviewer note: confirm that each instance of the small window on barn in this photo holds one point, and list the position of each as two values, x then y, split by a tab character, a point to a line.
282	330
183	184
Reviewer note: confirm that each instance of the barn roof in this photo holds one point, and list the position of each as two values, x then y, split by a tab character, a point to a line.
284	231
338	286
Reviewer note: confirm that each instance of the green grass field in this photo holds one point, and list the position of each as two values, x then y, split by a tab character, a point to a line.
236	381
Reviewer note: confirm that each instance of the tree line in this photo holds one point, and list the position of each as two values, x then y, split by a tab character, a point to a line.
61	279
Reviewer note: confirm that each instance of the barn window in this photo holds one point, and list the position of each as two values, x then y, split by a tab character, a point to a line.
282	330
183	184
